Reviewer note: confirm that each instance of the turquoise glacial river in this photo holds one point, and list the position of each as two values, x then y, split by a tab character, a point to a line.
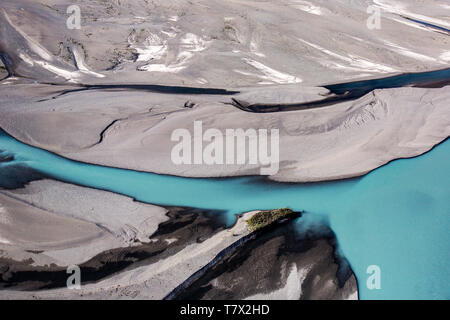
396	217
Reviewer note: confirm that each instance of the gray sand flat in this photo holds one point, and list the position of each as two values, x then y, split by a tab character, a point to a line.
25	226
222	43
104	220
270	51
339	141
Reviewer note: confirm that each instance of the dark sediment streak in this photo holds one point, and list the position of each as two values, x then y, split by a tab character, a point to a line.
354	90
187	225
283	107
162	89
427	24
165	89
260	263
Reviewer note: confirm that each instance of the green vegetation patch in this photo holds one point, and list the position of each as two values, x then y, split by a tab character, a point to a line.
265	218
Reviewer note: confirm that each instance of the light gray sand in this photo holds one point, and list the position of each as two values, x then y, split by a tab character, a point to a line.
222	43
89	221
271	51
31	228
339	141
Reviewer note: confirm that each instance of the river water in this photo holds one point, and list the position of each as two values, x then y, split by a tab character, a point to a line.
396	217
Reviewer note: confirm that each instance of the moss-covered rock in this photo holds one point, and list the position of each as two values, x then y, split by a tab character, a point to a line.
265	218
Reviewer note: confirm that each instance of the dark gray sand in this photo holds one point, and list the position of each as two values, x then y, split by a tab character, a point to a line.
266	267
